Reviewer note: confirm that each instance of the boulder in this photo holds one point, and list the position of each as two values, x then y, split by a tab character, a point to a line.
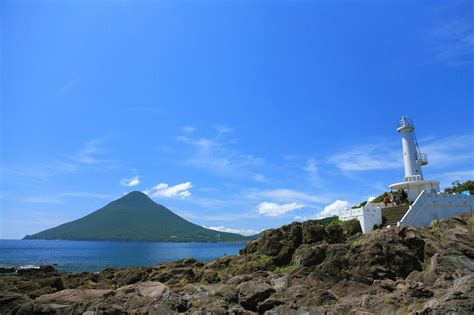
7	270
313	232
210	276
252	292
269	304
351	227
322	297
71	296
309	255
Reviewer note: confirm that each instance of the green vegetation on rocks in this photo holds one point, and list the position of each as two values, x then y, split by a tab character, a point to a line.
458	187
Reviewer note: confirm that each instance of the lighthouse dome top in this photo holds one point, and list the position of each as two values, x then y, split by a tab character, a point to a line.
405	124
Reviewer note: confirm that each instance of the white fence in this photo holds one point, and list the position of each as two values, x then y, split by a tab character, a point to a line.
434	206
368	216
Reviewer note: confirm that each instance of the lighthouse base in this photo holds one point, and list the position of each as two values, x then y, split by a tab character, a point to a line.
414	188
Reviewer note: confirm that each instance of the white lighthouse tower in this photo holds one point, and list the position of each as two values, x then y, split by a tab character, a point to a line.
413	159
426	201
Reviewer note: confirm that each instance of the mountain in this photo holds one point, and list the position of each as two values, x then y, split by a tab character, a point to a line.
135	217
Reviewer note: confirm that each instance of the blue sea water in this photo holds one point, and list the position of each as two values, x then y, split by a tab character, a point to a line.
95	256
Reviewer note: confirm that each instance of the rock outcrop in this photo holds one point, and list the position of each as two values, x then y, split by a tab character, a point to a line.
299	268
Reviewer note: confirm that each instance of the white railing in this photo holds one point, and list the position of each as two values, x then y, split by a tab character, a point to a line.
421	158
405	123
412	178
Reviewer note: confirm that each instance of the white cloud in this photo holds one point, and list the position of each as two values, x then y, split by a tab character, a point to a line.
189	129
164	190
446	179
370	198
87	155
60	197
87	195
130	182
286	195
389	154
310	166
222	129
274	209
453	38
368	157
245	232
43	199
313	171
300	218
213	156
260	178
333	209
449	150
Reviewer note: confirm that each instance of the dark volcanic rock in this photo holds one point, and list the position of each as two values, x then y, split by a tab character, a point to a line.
309	255
351	227
313	232
252	292
301	268
269	304
7	270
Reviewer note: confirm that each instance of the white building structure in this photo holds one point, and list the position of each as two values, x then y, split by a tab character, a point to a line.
413	159
368	215
427	202
434	206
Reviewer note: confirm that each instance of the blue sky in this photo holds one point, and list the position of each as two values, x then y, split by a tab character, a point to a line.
237	115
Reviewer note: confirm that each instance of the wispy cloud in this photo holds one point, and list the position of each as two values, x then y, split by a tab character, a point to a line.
285	195
57	198
130	182
273	209
189	129
221	228
450	150
312	168
441	151
88	195
368	158
88	153
166	191
43	199
260	178
447	178
454	37
213	155
223	129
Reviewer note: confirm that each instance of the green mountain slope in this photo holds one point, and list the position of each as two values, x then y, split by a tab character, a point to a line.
135	217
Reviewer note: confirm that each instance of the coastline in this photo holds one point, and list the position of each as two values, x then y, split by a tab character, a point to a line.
94	256
300	267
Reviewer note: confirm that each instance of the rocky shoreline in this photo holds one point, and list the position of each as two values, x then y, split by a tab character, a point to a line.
300	268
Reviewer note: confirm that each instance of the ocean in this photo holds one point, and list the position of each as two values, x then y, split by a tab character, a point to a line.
95	256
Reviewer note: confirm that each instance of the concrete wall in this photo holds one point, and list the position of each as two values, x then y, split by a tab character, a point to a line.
368	216
415	189
434	206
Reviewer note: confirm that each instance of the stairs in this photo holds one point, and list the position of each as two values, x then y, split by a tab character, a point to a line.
391	215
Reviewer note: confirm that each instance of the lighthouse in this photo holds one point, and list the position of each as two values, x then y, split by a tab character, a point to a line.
427	203
413	160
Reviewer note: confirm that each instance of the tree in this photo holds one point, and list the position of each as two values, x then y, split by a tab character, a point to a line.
457	187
